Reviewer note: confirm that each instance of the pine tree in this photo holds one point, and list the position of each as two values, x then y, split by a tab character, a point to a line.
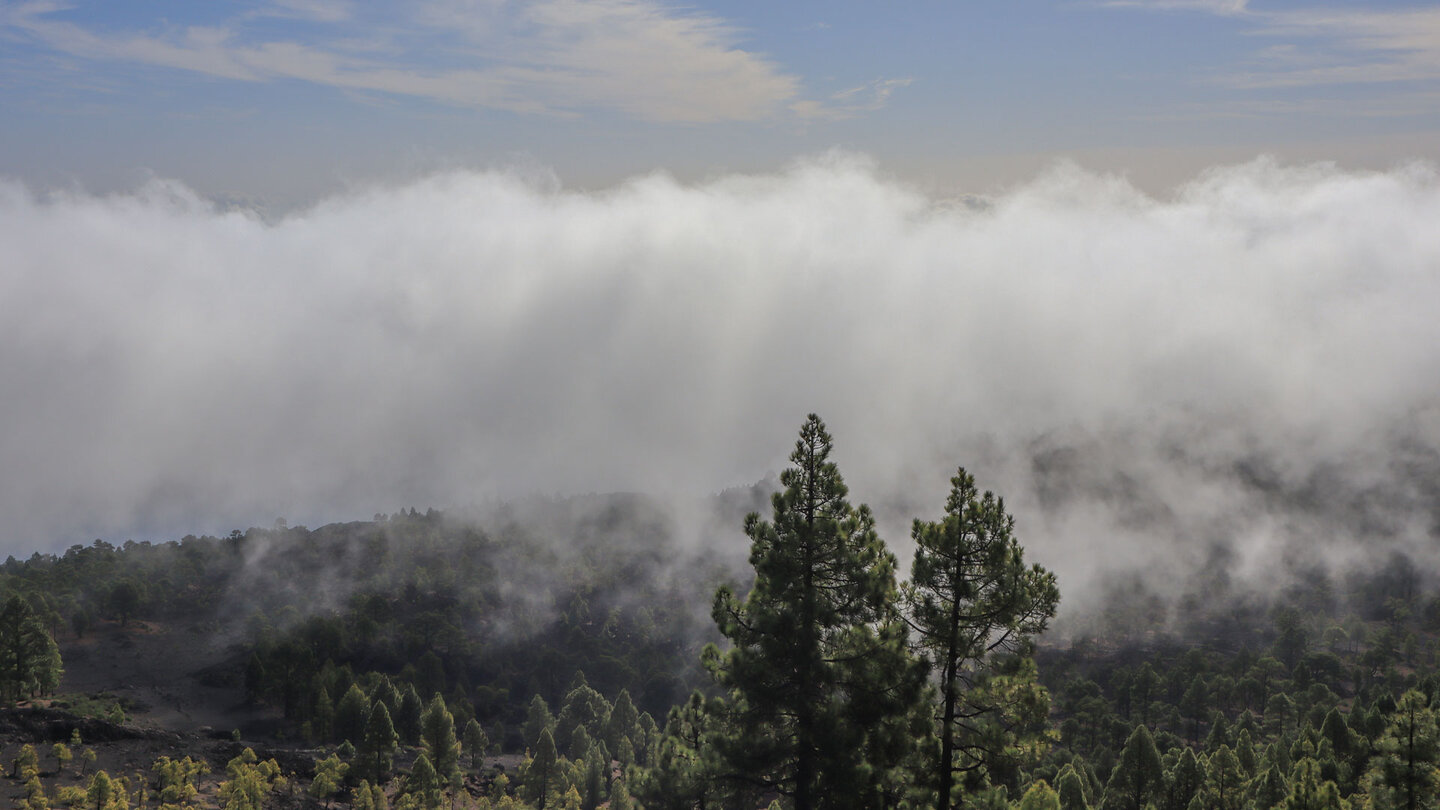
1224	782
1219	733
424	783
97	795
378	752
680	775
360	798
622	721
1184	781
580	743
35	798
351	715
407	721
620	797
1040	796
386	693
583	708
177	781
250	781
1194	702
1245	752
1138	776
1071	787
329	776
475	743
1142	690
322	713
437	737
537	719
541	775
27	763
972	599
1270	788
29	658
597	769
1309	793
821	683
1403	775
1347	749
647	738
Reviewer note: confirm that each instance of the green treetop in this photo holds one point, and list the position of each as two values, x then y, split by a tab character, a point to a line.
1138	777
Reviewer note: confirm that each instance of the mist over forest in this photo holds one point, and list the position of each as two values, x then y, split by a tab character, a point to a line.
1212	380
399	405
479	491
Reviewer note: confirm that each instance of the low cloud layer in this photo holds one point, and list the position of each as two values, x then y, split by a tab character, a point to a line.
1248	365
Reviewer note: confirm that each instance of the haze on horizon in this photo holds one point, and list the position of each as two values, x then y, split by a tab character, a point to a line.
1162	273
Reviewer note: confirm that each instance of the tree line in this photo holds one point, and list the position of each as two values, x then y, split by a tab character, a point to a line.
828	682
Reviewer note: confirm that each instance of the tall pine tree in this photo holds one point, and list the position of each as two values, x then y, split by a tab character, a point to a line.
820	678
437	737
973	602
377	754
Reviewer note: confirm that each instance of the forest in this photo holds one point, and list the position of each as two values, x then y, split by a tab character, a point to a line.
573	653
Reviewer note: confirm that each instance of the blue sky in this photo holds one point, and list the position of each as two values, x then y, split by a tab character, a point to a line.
284	102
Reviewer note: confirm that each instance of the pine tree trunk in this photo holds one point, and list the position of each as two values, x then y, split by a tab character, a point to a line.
947	720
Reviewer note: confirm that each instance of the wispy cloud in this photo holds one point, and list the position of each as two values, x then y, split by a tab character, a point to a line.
852	101
1325	46
551	56
318	10
1347	47
1211	6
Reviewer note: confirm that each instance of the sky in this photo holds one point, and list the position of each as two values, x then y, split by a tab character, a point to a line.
1164	275
278	104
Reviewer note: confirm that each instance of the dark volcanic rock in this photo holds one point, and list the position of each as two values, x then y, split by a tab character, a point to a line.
34	724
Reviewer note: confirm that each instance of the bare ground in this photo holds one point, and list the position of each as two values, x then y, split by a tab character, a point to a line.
178	678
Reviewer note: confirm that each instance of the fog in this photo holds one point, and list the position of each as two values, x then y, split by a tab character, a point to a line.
1248	365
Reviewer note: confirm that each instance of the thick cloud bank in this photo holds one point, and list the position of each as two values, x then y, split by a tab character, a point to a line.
1246	368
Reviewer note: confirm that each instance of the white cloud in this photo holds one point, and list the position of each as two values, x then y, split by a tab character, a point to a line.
171	367
551	56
